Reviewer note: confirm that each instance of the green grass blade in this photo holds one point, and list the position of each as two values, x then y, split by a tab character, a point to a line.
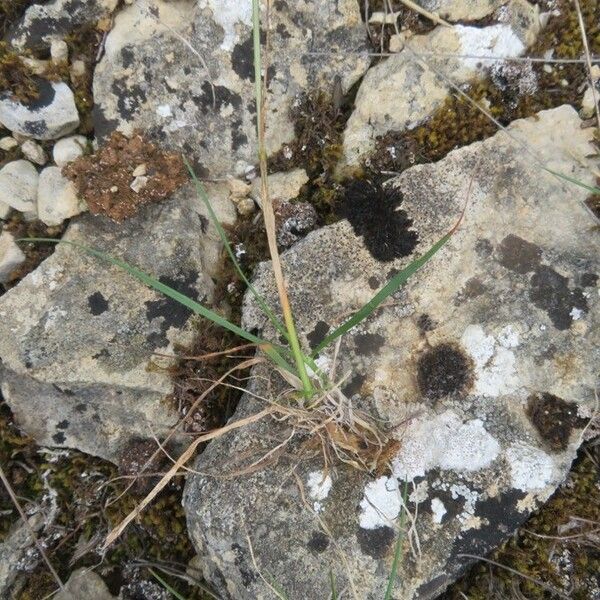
259	299
167	587
334	595
387	290
591	188
194	306
398	550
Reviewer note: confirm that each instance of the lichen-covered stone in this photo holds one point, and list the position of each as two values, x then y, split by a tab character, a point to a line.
201	101
43	23
483	371
401	92
78	337
52	115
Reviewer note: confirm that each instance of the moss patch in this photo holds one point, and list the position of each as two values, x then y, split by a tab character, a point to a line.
15	76
457	123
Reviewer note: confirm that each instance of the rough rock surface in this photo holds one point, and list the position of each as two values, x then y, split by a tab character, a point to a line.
68	149
458	10
483	369
150	79
18	185
43	23
13	550
77	350
401	92
84	584
51	116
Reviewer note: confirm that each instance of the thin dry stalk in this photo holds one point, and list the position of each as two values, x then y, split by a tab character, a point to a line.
32	533
191	449
432	16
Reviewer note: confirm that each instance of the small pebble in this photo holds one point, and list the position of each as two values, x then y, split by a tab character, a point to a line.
245	206
34	152
11	256
4	210
18	185
59	51
68	149
77	69
114	189
139	183
8	143
139	170
57	197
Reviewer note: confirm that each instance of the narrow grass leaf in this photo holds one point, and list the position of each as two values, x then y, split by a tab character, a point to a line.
167	587
261	301
194	306
591	188
334	595
387	290
398	549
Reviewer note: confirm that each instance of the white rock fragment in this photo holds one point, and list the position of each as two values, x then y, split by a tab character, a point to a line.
11	256
438	510
68	149
139	170
8	143
164	110
34	152
245	206
4	210
18	185
381	503
139	183
57	197
59	51
53	115
282	186
319	486
380	17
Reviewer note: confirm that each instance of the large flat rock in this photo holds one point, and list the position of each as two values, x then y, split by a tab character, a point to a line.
183	71
482	369
78	337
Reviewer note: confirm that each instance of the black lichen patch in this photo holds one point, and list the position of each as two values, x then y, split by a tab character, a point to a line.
550	292
500	517
375	215
588	279
432	588
373	282
59	438
319	542
425	323
173	314
241	562
64	424
377	542
98	303
242	59
368	343
554	419
317	335
518	254
444	370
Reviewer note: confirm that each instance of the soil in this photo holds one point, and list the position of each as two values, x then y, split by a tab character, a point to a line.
106	180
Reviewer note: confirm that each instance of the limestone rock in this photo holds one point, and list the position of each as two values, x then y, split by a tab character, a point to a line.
51	116
8	143
11	256
461	10
483	369
84	584
587	103
57	198
401	92
77	336
68	149
4	210
149	78
43	23
18	185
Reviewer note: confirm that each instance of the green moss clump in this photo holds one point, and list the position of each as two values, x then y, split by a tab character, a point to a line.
538	551
458	123
16	76
11	10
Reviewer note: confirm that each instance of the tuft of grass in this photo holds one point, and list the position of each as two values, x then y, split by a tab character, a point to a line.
398	548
